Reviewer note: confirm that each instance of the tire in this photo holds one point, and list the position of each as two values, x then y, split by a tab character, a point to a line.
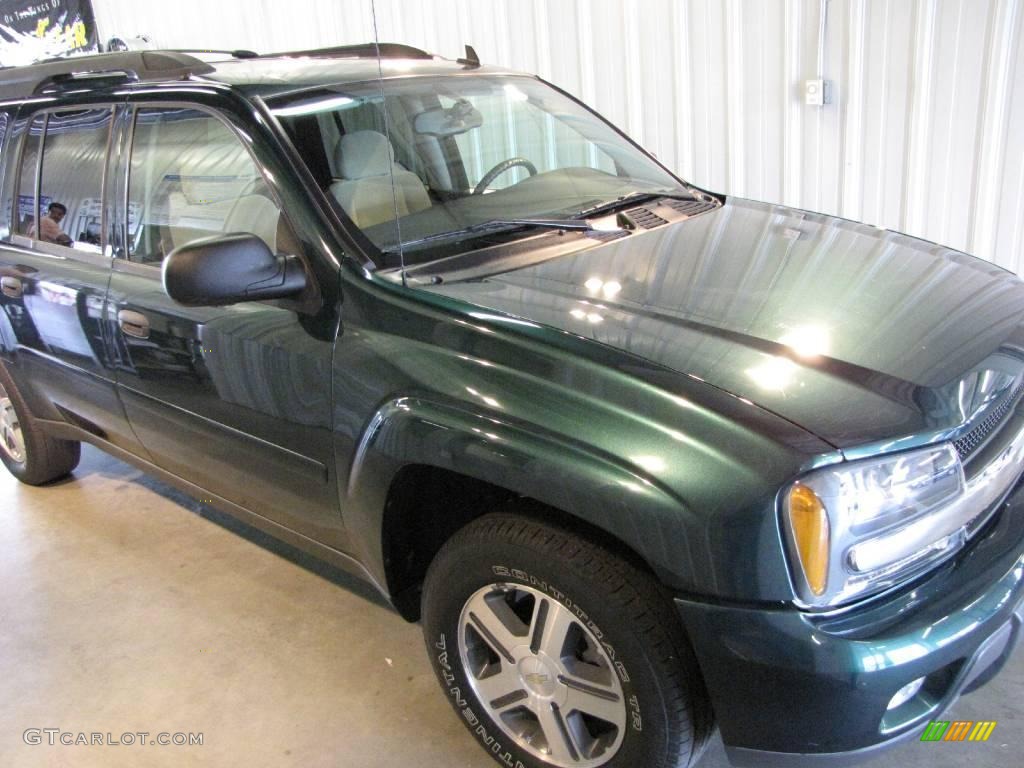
31	455
609	680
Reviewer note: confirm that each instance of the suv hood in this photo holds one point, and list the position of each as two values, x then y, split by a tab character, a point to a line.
859	335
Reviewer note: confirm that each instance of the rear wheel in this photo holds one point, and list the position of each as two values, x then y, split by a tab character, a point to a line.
31	455
558	653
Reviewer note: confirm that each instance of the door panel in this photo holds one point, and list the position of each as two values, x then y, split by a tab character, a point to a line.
234	399
54	283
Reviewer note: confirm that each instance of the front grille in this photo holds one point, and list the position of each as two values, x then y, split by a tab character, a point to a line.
645	218
974	439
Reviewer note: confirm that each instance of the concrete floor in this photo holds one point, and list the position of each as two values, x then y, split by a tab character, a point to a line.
126	606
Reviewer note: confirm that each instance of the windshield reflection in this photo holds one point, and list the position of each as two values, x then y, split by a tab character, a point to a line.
429	156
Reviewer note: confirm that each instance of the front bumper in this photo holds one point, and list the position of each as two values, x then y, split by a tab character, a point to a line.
789	686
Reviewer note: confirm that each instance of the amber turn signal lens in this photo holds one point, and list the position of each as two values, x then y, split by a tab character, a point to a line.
809	522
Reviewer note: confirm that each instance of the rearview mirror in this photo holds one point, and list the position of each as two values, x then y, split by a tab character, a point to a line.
458	118
228	269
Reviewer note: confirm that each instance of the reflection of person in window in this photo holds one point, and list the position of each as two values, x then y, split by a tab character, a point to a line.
49	225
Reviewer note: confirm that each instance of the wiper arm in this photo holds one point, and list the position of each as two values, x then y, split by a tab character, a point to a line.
496	225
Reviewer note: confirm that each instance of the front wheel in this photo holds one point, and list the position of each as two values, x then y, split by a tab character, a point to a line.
555	651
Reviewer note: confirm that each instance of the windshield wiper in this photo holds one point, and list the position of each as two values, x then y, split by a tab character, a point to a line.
496	225
632	198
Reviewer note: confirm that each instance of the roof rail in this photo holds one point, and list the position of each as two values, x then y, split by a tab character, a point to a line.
24	82
360	51
54	82
18	83
238	53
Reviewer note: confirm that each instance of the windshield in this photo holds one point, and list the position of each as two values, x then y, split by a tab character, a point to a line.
424	156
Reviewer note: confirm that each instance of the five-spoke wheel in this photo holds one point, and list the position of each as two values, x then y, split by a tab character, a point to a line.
544	677
556	651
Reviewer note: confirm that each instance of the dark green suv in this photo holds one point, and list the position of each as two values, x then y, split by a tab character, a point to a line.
643	459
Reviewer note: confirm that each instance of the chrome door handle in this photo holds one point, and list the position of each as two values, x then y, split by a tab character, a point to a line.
11	287
133	324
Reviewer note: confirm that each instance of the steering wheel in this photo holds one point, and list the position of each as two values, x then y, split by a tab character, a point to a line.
500	168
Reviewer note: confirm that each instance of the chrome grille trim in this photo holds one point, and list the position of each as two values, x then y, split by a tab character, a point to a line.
974	439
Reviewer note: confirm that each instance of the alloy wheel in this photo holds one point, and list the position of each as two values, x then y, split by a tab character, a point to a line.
544	677
12	440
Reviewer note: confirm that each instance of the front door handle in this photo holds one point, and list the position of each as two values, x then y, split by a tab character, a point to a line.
133	323
11	287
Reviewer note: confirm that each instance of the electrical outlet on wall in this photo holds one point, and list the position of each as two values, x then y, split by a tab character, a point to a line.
817	93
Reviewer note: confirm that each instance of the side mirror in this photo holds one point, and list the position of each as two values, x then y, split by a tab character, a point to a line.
228	269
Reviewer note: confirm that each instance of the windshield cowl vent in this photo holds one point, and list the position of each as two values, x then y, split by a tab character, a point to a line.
608	236
645	218
689	207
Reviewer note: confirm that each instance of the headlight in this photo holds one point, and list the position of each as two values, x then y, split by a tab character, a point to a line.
857	528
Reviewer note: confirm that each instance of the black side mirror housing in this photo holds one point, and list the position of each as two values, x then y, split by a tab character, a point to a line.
228	269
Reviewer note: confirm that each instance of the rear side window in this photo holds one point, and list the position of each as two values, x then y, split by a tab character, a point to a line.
191	177
68	210
25	213
71	182
6	169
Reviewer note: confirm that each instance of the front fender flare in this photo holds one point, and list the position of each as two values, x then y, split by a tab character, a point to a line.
603	490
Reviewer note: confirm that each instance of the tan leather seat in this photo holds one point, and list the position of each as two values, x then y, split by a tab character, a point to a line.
366	161
256	215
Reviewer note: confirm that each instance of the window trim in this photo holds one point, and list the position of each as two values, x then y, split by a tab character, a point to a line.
34	243
24	239
121	262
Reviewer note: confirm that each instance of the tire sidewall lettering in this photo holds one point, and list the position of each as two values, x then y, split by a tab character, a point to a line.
624	649
490	743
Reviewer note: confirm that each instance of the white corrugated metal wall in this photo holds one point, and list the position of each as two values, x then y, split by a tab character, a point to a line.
925	133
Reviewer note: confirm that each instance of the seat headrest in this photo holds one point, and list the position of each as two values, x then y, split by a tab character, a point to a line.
364	153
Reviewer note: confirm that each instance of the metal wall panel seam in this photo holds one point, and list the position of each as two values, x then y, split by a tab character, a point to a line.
991	136
542	39
915	176
709	168
762	166
634	91
792	192
880	175
818	115
585	39
462	27
851	170
947	182
505	45
682	115
735	89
